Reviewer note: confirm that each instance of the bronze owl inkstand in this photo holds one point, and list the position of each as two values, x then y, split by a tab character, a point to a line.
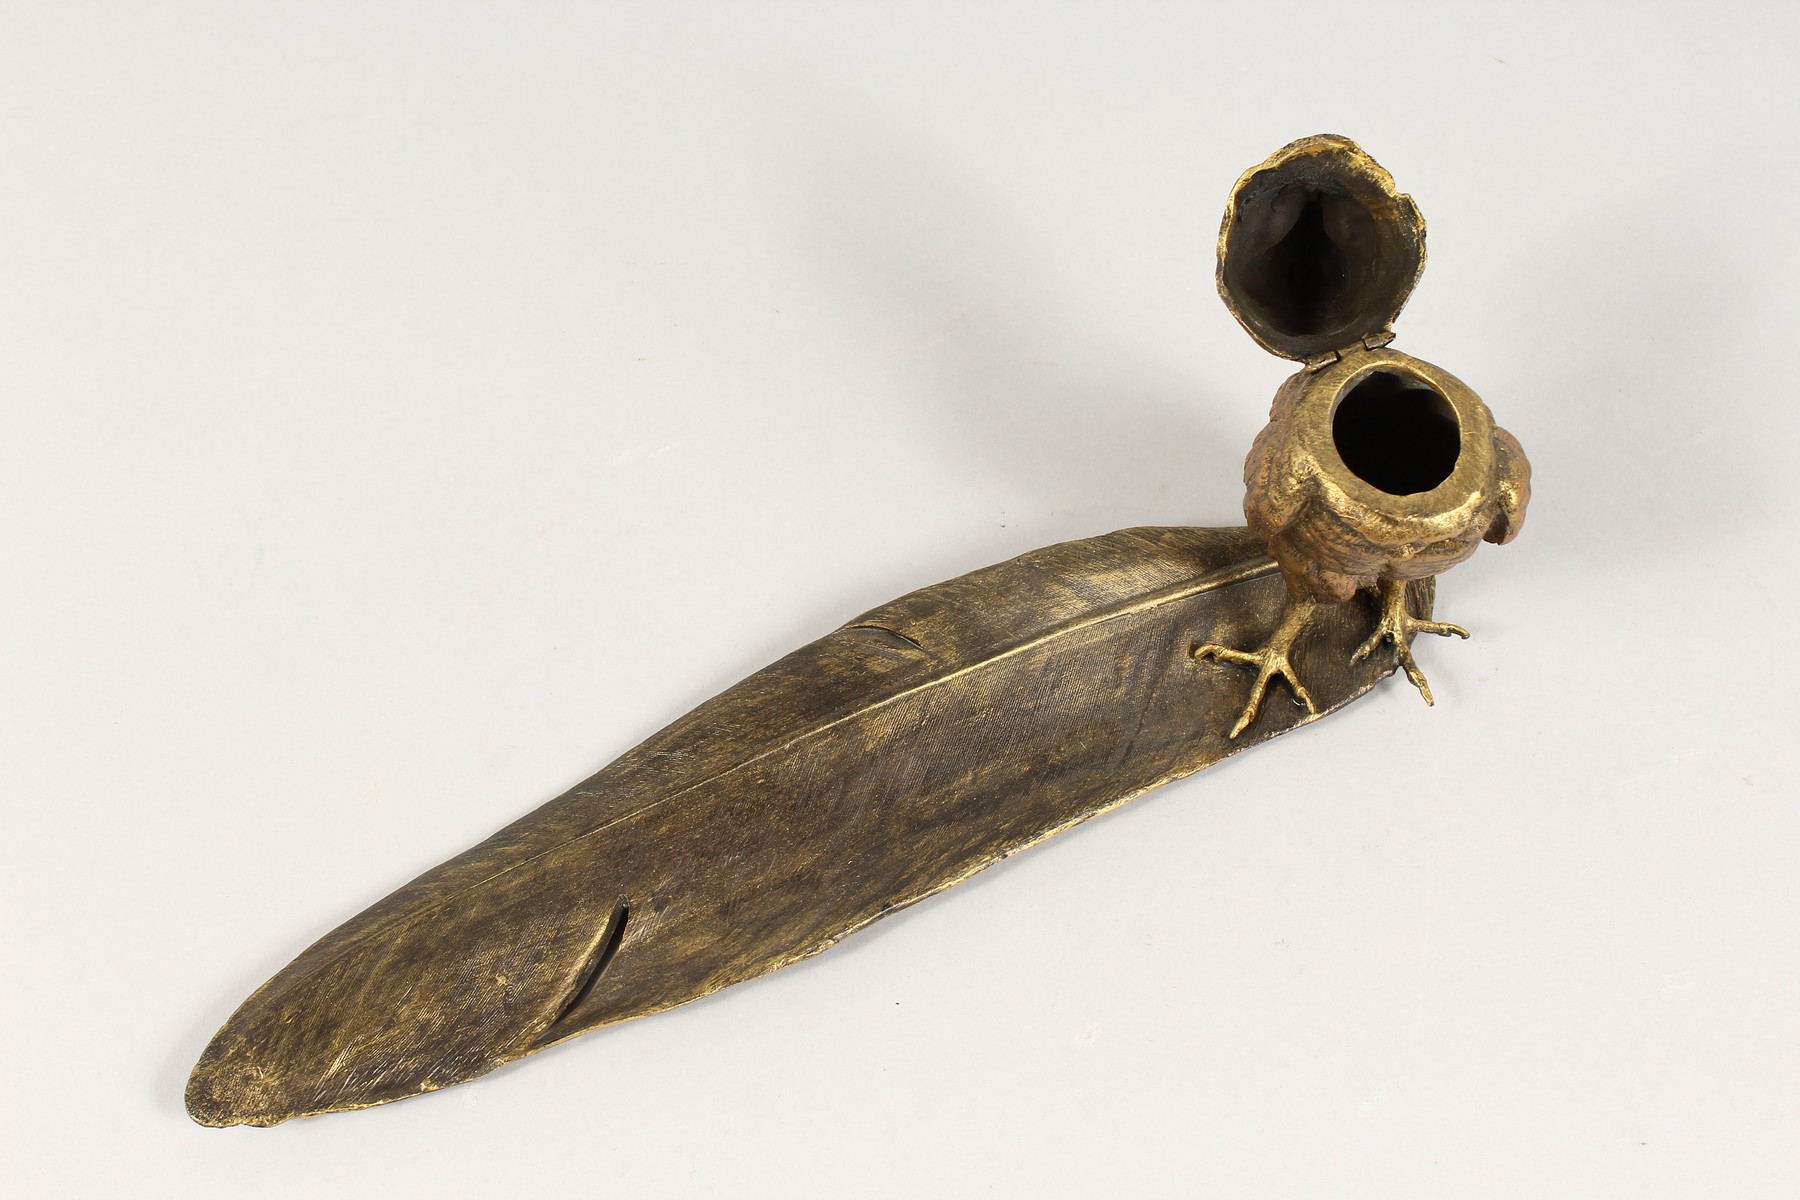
1375	469
935	735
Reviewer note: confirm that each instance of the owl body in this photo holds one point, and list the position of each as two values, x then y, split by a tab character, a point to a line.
1322	478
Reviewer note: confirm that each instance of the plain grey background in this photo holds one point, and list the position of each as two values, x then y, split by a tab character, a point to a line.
408	407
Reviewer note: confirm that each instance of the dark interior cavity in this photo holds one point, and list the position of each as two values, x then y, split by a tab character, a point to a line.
1308	261
1396	434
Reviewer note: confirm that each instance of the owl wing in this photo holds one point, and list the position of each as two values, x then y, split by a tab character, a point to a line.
1274	493
1513	475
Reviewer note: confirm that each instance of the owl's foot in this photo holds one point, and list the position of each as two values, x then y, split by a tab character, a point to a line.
1398	625
1271	661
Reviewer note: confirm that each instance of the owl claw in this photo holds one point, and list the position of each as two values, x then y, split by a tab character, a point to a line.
1272	661
1397	625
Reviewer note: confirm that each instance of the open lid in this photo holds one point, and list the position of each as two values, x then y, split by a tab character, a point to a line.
1318	251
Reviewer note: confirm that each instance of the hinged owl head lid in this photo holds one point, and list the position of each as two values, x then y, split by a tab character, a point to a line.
1318	251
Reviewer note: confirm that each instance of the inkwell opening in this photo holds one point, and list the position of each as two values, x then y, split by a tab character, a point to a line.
1396	434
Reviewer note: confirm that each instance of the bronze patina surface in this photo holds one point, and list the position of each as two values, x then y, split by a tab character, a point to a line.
918	744
938	734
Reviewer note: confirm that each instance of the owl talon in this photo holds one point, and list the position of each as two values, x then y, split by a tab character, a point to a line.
1397	625
1271	662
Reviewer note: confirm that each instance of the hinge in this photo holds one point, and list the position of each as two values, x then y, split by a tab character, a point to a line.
1373	341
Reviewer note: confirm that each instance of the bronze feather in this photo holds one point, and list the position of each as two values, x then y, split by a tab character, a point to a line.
902	753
